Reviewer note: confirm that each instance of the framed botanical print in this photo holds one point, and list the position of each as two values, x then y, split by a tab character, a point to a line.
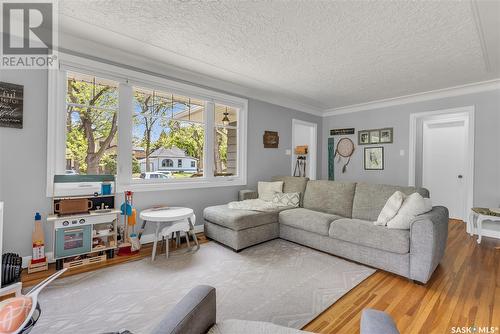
374	158
374	136
386	135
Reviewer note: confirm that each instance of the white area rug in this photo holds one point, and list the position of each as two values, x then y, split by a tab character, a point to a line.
277	281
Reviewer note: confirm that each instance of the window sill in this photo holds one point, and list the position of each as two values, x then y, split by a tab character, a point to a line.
142	187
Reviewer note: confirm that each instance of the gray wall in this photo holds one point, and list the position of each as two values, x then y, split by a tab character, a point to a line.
23	162
487	139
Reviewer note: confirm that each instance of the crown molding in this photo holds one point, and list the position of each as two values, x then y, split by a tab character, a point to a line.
78	45
480	34
472	88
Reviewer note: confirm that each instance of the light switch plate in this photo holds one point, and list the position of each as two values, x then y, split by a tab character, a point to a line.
288	152
402	153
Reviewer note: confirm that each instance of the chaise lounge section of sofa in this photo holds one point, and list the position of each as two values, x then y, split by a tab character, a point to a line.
337	218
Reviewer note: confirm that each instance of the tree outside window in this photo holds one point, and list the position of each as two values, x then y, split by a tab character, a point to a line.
91	124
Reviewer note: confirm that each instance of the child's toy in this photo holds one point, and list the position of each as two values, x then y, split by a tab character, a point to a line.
128	247
38	260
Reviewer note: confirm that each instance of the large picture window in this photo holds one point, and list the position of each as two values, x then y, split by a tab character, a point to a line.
152	133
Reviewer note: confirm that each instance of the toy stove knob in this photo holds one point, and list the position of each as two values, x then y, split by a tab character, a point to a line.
82	221
65	223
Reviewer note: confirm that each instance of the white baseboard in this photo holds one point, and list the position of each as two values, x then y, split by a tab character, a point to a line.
145	239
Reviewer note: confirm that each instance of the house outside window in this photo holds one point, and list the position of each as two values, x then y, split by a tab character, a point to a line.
160	121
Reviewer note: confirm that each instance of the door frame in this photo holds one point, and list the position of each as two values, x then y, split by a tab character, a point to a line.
312	150
465	113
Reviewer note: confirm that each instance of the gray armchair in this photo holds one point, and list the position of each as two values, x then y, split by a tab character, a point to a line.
196	314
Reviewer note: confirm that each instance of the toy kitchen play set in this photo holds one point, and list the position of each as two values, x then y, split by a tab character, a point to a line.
85	219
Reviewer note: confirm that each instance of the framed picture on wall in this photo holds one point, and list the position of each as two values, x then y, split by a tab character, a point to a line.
374	158
363	137
386	135
374	136
271	139
11	105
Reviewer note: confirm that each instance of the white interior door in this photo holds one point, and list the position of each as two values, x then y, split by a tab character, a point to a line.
305	133
444	166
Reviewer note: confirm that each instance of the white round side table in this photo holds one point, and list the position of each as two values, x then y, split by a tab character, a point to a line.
167	215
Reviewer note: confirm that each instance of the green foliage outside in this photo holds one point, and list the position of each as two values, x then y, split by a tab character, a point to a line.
136	167
91	125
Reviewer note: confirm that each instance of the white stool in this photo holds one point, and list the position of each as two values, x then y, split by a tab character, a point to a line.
184	225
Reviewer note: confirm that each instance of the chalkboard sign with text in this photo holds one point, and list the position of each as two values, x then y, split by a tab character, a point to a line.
11	105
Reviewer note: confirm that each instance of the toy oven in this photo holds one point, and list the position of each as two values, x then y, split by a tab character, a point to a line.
73	240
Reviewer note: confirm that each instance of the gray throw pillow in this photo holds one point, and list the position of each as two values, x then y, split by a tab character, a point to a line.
286	199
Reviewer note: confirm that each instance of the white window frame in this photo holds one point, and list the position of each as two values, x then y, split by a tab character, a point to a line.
127	78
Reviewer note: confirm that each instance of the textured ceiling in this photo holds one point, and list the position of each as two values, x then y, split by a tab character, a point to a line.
331	54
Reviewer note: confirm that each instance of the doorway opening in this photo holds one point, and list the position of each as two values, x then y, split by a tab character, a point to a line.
304	134
441	157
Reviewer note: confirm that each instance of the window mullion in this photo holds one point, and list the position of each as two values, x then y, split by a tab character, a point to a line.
56	127
125	121
208	156
61	116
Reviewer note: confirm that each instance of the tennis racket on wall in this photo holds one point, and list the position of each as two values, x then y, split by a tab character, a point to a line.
345	149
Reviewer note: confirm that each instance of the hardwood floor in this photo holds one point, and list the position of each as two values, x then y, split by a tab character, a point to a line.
464	291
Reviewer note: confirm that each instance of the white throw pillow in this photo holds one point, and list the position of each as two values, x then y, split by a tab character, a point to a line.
391	208
267	189
413	206
286	199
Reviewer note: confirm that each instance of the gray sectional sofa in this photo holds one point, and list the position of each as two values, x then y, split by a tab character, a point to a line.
337	218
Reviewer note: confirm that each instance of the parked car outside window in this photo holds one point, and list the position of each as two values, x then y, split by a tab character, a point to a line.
155	175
